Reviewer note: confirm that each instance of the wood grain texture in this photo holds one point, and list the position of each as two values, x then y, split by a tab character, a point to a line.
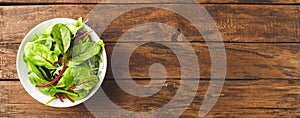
237	23
264	98
246	61
151	1
262	42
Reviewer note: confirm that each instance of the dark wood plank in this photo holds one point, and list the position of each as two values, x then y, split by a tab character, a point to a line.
244	60
264	98
237	23
150	1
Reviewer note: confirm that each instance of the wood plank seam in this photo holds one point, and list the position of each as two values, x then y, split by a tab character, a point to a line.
275	2
275	23
247	61
267	98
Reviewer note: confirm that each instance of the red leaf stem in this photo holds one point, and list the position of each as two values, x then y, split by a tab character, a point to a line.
71	88
68	97
81	36
58	97
56	78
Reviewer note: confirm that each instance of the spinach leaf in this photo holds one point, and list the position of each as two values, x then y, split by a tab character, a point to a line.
56	34
34	79
71	63
57	50
67	79
83	93
93	64
32	68
85	51
46	73
40	55
62	36
50	90
45	41
79	72
48	43
48	40
66	37
84	84
85	39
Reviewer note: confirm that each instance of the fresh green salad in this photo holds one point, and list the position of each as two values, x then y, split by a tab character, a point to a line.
63	62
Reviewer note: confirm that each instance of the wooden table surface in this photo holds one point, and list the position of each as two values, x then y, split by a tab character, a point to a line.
262	41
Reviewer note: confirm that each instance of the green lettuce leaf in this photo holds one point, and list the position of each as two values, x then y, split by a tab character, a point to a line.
40	55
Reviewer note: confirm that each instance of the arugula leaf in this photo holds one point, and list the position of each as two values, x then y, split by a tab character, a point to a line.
35	37
74	28
40	55
56	71
79	22
101	43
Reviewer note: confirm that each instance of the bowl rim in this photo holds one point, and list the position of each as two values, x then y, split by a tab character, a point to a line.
22	80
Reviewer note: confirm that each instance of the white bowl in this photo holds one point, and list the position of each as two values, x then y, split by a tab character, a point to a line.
22	69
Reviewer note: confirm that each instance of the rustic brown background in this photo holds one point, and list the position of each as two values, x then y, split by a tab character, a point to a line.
262	39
